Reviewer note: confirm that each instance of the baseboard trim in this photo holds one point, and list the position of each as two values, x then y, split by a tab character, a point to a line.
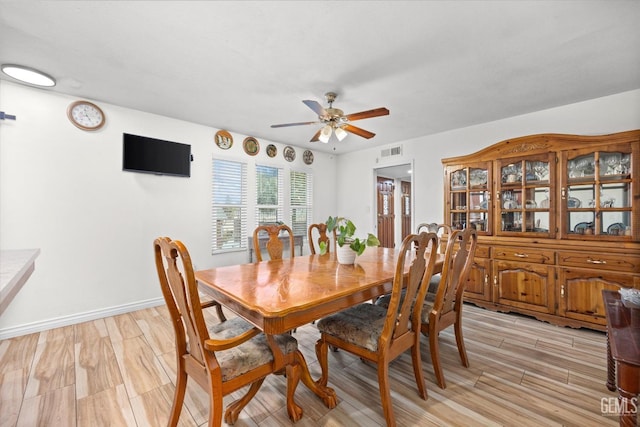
58	322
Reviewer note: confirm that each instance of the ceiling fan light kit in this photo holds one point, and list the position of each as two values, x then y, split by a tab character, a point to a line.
335	121
340	133
325	134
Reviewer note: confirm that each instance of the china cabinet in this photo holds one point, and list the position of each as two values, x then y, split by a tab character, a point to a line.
558	220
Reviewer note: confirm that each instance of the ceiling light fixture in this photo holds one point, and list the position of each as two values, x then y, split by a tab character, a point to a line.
325	134
340	133
28	75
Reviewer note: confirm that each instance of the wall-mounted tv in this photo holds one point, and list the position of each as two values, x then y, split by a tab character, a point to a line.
150	155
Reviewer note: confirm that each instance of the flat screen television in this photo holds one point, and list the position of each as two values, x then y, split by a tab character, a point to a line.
157	156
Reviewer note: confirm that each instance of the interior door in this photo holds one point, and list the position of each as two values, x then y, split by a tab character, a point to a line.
386	215
405	188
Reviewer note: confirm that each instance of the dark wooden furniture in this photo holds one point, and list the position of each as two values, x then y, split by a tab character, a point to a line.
558	221
380	334
298	241
225	358
623	355
279	296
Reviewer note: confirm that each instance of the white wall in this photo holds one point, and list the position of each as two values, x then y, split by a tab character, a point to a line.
609	114
63	190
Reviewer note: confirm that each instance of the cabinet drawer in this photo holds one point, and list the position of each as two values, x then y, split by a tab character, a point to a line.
481	252
538	256
600	261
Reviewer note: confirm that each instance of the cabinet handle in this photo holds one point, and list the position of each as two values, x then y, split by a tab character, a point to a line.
562	291
563	193
495	280
596	261
519	255
486	279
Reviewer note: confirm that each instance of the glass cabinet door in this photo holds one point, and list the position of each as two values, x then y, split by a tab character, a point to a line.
469	197
525	200
596	195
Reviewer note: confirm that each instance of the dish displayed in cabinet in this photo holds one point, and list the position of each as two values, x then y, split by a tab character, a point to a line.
573	203
581	227
511	204
478	177
616	229
458	180
580	168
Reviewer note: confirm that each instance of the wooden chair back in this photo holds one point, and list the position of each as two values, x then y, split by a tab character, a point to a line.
455	271
274	246
445	308
402	313
439	229
196	350
321	231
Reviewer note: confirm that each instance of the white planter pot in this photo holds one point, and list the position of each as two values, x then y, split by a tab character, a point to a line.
345	254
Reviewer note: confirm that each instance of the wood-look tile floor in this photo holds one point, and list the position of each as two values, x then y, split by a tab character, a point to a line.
119	371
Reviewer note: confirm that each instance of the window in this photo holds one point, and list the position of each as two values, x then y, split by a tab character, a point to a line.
229	205
301	201
269	207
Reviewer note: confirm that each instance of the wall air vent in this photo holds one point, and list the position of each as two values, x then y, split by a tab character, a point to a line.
391	152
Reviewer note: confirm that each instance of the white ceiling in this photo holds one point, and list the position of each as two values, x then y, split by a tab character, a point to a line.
243	65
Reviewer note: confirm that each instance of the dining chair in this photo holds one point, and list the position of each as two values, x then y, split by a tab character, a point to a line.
274	246
444	309
218	307
434	227
321	231
441	230
426	227
224	358
380	334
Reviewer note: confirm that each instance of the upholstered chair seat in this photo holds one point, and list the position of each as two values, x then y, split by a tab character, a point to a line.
250	354
360	325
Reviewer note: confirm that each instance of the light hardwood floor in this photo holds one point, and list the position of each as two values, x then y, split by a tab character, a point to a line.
119	371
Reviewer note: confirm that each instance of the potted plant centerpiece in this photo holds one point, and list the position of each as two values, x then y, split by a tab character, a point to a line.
349	246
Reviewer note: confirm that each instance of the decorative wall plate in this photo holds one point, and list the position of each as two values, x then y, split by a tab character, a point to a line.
289	153
271	150
307	157
223	139
251	146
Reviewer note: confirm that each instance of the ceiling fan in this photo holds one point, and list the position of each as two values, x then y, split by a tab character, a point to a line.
336	121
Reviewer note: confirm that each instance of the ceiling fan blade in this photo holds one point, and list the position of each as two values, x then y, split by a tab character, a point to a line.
360	132
315	106
284	125
366	114
316	137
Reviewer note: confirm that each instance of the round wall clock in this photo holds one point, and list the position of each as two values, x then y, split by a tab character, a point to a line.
223	139
289	153
307	157
85	115
251	146
271	150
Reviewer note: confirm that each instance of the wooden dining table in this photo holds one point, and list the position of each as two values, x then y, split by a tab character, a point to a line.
279	296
